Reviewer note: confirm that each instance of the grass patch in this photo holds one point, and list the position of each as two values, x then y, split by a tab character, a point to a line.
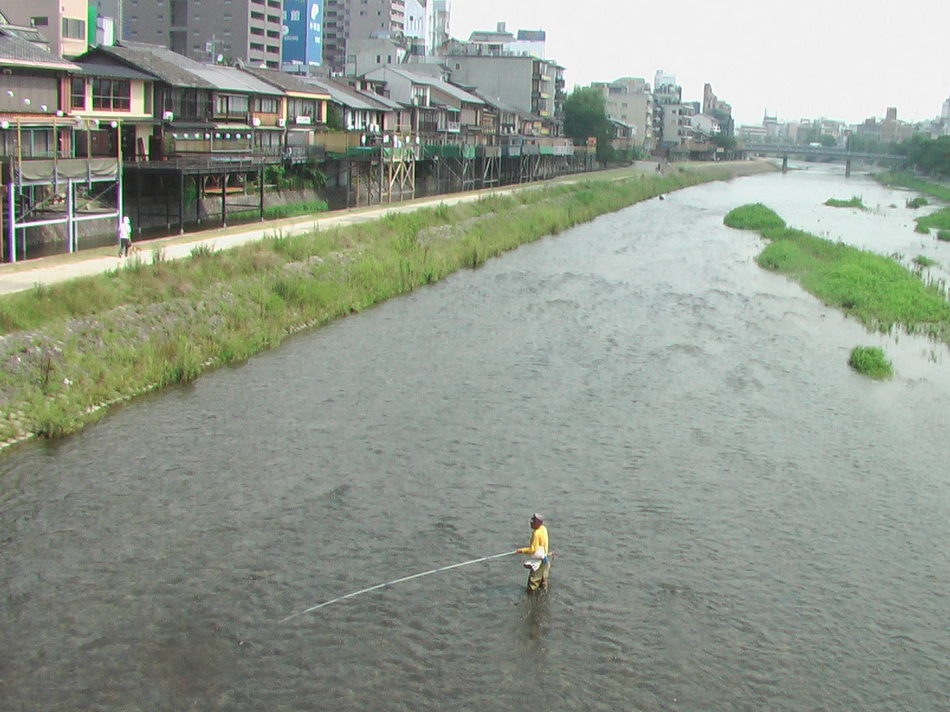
902	179
924	261
753	217
939	220
855	202
276	212
877	290
943	235
918	202
71	348
871	361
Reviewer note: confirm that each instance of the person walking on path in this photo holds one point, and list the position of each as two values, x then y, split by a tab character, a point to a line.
125	236
539	565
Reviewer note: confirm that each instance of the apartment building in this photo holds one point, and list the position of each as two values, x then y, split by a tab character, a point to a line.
210	30
718	109
345	20
529	84
64	23
629	100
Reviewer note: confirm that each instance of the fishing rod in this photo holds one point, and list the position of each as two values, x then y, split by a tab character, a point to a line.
393	582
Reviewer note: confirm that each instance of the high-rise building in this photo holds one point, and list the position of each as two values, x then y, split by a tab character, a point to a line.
210	30
302	34
720	110
345	20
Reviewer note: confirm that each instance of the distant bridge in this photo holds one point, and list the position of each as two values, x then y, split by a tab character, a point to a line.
833	152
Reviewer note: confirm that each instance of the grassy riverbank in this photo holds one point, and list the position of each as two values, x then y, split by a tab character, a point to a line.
877	290
938	220
70	350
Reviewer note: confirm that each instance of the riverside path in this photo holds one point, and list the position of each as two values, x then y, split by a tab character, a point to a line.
21	276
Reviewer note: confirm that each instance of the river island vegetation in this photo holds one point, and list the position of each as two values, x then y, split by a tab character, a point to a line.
878	291
940	219
871	361
855	202
71	349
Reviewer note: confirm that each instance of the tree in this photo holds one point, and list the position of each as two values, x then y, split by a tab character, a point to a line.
334	117
727	143
585	116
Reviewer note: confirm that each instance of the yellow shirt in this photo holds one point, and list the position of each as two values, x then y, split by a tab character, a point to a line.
539	537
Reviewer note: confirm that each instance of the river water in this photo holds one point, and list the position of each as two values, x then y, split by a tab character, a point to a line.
740	521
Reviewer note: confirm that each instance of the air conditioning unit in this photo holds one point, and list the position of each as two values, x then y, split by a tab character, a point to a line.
281	122
255	121
168	116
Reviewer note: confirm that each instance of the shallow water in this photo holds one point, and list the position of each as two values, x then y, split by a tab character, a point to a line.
741	522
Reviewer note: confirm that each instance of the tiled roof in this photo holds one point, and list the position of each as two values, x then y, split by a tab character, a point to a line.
112	71
285	80
420	78
161	63
15	51
232	79
353	98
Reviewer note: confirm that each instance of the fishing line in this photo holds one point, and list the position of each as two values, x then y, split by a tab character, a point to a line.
394	581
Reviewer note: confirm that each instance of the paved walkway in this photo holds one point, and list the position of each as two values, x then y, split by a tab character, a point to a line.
25	275
58	268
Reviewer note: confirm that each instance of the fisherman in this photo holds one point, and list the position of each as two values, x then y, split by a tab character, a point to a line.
539	565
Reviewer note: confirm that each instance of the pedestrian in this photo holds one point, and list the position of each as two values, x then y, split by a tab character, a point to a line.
125	236
539	565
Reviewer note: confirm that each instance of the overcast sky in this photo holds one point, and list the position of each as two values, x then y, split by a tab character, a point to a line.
838	59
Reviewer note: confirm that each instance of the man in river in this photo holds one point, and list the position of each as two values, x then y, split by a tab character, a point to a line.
539	565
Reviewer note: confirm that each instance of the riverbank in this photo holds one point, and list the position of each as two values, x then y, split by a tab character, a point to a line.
72	349
878	291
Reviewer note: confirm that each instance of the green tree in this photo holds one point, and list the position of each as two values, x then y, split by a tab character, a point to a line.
726	142
585	116
334	117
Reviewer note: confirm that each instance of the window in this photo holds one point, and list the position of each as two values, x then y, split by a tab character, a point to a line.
77	93
304	107
267	104
74	29
39	21
235	105
111	94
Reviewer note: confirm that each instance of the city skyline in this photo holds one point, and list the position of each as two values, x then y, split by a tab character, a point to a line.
849	64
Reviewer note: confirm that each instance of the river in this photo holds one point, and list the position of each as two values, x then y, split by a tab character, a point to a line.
740	521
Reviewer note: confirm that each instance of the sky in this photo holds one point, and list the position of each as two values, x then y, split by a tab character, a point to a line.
802	59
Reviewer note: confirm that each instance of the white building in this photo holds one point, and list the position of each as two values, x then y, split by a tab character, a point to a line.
705	124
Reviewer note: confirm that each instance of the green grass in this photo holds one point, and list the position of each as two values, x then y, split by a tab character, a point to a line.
877	290
753	217
855	202
943	235
276	212
924	261
76	346
901	179
939	220
918	202
871	361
